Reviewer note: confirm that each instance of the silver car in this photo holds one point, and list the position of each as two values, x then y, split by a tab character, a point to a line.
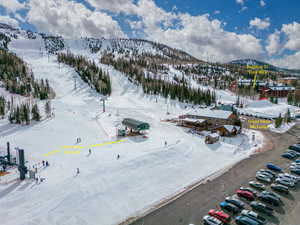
209	220
263	177
285	182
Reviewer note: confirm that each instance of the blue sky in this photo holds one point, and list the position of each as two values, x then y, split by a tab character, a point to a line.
215	30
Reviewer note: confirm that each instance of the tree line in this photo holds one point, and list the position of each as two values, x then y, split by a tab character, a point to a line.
155	85
88	71
24	112
18	79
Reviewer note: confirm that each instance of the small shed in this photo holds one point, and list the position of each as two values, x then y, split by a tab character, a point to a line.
135	125
212	138
229	130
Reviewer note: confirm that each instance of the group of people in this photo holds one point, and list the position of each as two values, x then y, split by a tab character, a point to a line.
45	163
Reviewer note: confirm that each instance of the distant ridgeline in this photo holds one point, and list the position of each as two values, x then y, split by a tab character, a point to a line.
88	71
18	79
144	73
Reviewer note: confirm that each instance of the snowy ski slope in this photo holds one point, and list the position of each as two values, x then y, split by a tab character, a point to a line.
107	191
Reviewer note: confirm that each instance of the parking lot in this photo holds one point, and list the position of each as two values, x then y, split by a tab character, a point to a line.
191	207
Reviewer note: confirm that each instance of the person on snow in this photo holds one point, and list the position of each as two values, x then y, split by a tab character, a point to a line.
166	143
47	163
118	156
78	171
90	151
43	162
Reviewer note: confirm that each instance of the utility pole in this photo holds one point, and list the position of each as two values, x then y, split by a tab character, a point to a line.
103	103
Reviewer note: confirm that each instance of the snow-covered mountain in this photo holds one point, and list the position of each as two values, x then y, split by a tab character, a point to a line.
124	47
267	66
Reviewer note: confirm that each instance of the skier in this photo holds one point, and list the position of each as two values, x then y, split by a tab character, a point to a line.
118	156
43	163
90	151
78	171
47	163
166	143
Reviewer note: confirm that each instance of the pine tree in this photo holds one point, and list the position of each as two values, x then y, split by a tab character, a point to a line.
288	116
48	108
35	113
278	121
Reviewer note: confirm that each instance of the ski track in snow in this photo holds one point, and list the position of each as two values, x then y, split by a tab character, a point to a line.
107	190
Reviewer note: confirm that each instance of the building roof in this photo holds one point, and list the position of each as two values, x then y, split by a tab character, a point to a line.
214	135
231	127
282	88
193	120
218	114
135	124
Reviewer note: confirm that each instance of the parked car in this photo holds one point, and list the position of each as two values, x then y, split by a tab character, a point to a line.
235	202
273	167
295	164
289	176
249	189
297	154
295	147
288	155
209	220
245	194
297	161
272	194
229	207
285	182
220	215
260	207
254	216
264	178
266	174
257	185
267	171
245	220
280	188
269	199
295	170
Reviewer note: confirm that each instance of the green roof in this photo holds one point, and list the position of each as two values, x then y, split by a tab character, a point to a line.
135	124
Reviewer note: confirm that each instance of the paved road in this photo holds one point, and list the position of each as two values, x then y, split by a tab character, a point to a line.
191	207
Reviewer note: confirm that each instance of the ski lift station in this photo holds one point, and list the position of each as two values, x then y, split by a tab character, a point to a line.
135	125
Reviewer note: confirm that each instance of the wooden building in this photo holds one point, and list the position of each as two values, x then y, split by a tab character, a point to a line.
229	130
214	118
277	91
197	124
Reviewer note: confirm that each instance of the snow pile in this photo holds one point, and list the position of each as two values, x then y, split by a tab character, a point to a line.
282	129
260	104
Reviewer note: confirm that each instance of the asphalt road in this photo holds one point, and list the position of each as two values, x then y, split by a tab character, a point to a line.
191	207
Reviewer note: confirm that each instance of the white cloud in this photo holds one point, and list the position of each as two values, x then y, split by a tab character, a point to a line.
125	6
260	24
135	25
70	19
11	5
273	43
242	2
9	21
288	61
243	9
292	32
210	42
262	3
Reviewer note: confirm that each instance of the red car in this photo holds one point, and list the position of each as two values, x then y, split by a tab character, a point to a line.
225	218
245	194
